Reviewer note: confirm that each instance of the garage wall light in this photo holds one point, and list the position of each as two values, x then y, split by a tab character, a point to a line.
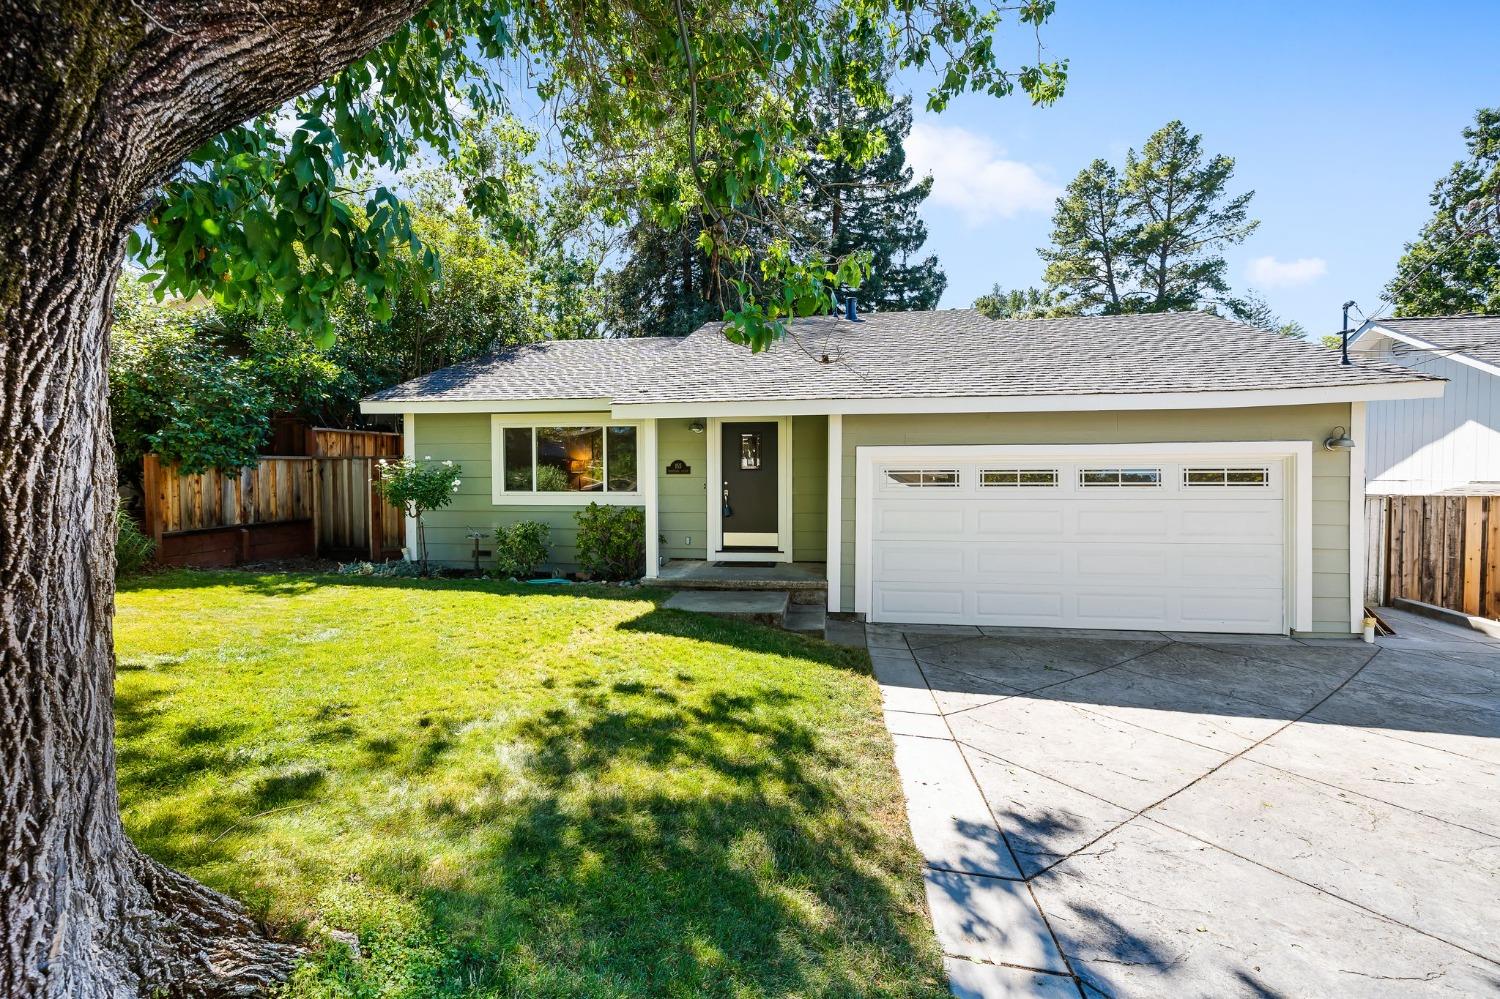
696	426
1340	441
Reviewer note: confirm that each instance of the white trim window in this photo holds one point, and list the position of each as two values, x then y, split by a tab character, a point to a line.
566	461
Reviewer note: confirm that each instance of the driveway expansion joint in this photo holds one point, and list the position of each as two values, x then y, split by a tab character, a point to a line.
1126	929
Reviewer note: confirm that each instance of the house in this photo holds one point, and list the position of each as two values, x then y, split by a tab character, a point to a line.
1148	472
1448	445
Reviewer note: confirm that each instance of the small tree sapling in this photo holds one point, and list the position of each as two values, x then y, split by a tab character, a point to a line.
417	488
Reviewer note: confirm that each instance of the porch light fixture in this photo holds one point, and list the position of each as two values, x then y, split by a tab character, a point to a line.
696	426
1340	441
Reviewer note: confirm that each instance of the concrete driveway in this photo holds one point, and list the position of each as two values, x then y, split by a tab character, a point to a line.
1140	814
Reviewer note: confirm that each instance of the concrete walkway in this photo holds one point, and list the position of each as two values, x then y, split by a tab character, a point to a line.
1147	814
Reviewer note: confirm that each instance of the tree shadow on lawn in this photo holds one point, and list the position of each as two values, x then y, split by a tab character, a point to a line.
677	833
748	869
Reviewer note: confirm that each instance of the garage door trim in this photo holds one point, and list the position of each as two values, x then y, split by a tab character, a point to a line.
1298	487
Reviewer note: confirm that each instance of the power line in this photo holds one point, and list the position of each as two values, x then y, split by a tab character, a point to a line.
1480	222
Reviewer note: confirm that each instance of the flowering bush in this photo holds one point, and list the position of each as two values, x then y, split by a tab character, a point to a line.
417	488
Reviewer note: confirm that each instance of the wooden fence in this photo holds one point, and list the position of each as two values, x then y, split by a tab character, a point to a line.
325	503
1442	550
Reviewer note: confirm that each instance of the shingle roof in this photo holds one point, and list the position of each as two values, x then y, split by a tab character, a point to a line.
952	353
960	352
1473	336
549	369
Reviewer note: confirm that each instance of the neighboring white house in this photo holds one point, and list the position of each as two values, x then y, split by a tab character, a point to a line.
1449	444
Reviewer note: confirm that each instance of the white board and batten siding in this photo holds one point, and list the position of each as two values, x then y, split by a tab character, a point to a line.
1426	447
1133	541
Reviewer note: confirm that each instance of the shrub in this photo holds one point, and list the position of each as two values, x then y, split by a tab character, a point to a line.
133	550
520	549
418	488
612	541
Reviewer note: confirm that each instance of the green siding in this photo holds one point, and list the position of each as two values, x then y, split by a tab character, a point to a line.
1330	533
682	507
465	438
810	488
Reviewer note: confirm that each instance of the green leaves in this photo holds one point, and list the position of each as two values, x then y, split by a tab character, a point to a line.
279	213
1148	239
1454	265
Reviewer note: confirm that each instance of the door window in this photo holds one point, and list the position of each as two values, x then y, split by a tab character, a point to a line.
749	452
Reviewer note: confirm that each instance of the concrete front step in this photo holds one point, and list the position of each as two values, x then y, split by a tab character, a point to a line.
761	606
806	619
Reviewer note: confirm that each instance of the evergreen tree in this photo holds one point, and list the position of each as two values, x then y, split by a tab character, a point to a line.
1021	303
1092	235
1255	310
1454	265
1185	217
663	287
1148	239
872	206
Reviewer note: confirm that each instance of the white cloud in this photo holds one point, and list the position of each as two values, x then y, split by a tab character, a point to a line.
971	174
1268	272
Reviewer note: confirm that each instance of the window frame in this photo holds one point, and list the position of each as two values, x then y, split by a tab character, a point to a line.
501	496
1019	472
1120	471
887	482
1225	471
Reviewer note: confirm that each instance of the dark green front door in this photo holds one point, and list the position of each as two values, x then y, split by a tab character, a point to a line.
749	493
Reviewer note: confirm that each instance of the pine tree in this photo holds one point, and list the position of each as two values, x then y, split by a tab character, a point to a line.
873	207
1092	234
1454	265
1148	239
1185	216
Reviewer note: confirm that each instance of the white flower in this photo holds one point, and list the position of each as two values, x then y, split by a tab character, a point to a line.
447	464
426	457
457	483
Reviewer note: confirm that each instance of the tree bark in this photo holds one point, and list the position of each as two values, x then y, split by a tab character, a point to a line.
99	102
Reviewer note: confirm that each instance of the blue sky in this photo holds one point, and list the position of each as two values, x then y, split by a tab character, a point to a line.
1340	117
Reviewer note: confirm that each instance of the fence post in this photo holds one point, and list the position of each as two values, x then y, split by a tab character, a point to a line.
377	510
316	485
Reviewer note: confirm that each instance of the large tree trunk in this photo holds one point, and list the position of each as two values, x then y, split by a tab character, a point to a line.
98	103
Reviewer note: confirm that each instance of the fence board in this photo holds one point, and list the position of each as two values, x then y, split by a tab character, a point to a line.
1442	550
334	497
1473	537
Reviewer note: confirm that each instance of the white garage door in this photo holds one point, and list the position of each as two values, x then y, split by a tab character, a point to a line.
1180	545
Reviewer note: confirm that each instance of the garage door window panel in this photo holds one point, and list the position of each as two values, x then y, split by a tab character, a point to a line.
1018	478
1119	477
1226	478
922	478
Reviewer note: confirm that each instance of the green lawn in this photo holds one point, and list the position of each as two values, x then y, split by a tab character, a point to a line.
511	791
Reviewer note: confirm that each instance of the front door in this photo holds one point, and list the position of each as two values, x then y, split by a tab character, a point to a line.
749	494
